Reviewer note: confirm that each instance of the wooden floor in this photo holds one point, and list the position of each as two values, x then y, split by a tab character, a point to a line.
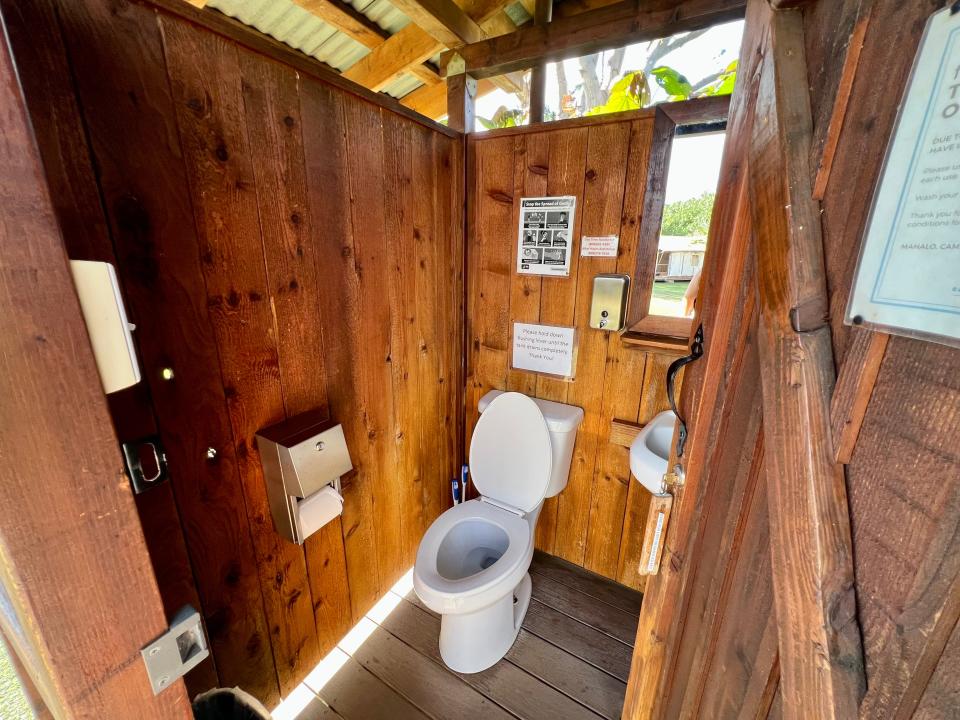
570	660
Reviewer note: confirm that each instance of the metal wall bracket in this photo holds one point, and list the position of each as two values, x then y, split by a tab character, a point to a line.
146	462
177	651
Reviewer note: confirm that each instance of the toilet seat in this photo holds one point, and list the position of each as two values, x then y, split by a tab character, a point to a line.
478	589
511	454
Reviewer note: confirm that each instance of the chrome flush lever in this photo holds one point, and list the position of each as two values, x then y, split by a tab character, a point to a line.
696	352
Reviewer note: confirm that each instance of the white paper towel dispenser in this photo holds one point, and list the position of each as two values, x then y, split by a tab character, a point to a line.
102	305
303	459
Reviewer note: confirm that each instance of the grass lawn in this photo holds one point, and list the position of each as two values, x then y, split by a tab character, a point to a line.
13	703
668	298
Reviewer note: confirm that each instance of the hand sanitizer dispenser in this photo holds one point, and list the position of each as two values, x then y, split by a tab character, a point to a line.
303	459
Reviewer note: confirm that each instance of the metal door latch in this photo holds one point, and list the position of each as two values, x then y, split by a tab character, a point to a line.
146	463
177	651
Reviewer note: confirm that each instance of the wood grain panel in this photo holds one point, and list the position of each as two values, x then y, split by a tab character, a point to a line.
594	494
605	168
432	277
364	154
53	104
206	87
252	234
77	615
134	139
294	272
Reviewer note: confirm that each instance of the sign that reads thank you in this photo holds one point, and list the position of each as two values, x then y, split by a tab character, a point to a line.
908	276
544	348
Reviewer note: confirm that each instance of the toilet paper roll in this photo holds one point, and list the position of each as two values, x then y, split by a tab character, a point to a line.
319	509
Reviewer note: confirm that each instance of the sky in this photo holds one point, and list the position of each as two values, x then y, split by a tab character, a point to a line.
707	54
694	166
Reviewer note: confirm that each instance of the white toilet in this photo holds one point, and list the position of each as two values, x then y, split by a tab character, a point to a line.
472	562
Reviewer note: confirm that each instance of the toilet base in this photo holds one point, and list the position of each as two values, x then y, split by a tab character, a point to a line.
475	641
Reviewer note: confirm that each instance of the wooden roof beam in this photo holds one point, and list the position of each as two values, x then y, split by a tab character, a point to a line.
347	20
411	46
431	100
360	28
442	19
603	29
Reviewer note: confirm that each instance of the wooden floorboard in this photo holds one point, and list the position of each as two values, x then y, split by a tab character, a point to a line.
510	687
582	641
357	694
588	610
570	661
422	681
574	576
592	687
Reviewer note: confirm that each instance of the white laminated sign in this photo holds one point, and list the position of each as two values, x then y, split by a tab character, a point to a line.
545	237
544	348
908	274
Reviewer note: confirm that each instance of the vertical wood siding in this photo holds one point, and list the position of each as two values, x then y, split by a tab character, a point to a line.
598	520
283	245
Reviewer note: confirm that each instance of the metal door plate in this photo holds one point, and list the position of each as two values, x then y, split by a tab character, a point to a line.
177	651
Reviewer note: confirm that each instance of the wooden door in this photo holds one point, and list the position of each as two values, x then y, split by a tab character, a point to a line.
795	481
78	598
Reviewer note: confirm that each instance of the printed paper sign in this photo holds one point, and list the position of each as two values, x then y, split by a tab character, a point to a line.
603	246
908	277
543	348
545	237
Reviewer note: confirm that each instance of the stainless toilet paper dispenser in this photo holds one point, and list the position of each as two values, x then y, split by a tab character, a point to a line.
303	458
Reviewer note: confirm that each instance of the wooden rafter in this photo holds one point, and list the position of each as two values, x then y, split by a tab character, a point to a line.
443	20
413	45
601	29
431	100
410	46
360	28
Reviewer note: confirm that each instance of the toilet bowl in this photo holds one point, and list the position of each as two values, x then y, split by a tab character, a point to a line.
472	563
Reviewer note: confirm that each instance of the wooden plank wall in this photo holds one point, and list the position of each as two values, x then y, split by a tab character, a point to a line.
283	245
903	475
597	521
708	634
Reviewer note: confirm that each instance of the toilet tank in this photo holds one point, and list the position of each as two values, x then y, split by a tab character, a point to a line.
563	421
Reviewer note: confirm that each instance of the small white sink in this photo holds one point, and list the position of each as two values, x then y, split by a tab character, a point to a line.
650	452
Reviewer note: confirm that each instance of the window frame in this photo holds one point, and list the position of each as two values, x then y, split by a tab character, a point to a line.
685	118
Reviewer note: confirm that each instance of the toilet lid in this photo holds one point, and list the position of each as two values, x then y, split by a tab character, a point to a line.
510	453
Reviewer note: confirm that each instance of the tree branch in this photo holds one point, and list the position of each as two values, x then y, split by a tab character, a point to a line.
664	47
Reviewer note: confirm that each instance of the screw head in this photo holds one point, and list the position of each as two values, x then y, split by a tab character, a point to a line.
211	453
154	651
167	373
319	445
163	681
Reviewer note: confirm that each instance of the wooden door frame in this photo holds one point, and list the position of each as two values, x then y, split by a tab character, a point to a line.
768	203
78	597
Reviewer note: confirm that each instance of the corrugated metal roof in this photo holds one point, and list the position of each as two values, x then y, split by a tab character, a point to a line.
298	28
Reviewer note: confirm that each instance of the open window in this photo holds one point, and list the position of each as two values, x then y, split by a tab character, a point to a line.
677	210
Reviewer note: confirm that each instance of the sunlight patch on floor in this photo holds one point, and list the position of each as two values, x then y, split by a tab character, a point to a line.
306	692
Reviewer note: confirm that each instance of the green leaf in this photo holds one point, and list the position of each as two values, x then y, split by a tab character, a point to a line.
630	92
676	85
724	84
